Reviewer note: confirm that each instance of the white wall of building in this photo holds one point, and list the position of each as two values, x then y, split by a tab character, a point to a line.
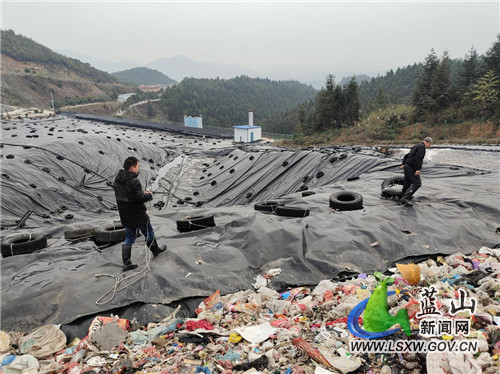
196	122
122	98
247	135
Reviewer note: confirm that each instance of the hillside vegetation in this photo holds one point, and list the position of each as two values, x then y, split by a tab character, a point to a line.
142	75
30	73
225	102
440	97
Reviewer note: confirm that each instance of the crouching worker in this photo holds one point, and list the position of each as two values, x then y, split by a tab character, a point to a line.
130	199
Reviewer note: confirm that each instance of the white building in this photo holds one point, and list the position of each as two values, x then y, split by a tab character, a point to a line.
247	133
195	121
124	97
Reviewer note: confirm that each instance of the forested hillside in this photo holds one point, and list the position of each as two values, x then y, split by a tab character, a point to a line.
32	73
391	88
225	102
21	48
143	75
437	91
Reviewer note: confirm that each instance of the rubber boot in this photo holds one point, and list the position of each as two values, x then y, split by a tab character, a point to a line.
408	196
153	246
126	254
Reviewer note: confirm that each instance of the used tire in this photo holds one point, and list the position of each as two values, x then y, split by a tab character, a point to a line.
289	211
79	233
346	200
110	233
389	189
191	223
20	244
268	206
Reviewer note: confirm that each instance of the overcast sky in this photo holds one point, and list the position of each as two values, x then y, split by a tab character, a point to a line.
337	36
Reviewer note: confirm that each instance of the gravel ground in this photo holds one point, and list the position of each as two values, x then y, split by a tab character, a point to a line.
478	157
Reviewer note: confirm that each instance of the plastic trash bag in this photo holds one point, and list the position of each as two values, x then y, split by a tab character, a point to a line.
43	342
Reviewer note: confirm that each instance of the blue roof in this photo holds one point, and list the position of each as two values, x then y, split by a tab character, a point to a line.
246	127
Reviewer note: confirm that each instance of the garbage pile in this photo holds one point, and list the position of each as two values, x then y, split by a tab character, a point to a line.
302	330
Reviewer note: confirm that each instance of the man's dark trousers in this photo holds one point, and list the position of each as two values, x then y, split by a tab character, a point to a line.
412	182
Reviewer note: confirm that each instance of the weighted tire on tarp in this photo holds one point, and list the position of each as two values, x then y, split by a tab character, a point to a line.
289	211
389	188
80	233
346	200
267	206
23	243
191	223
110	233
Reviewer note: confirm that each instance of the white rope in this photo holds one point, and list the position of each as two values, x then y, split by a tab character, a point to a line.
87	239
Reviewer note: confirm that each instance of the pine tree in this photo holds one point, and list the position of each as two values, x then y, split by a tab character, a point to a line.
150	112
469	72
352	102
338	107
441	84
485	92
381	100
492	58
422	96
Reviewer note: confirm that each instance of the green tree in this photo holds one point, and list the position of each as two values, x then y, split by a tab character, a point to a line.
492	58
381	100
352	104
150	112
485	92
469	71
325	106
423	99
441	93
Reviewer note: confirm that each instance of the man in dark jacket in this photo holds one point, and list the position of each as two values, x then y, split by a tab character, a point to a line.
412	163
130	199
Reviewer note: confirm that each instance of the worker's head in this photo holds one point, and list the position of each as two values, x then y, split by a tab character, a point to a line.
132	164
428	142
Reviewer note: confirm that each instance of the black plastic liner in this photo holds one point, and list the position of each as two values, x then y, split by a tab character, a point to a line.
455	210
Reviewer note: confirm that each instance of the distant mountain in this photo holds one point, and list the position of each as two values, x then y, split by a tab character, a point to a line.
31	73
108	66
143	75
359	79
180	67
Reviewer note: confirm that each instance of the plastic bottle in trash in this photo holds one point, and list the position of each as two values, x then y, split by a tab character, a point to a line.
78	356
